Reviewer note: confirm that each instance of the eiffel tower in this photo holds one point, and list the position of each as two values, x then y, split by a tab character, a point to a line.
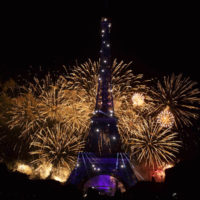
102	159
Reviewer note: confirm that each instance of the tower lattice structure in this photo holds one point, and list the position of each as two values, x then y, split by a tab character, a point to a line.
103	137
102	155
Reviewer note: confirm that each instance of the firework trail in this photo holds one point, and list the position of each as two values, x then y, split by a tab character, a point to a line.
153	145
166	118
45	102
24	114
180	96
78	113
84	78
57	146
55	116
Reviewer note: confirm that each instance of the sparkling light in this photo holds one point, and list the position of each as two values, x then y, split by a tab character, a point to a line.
138	99
181	94
44	170
57	146
61	174
45	105
24	168
153	145
124	84
114	138
166	118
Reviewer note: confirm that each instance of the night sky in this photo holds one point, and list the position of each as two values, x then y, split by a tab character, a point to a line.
158	38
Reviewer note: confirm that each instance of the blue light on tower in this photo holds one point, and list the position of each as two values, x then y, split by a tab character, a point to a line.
102	160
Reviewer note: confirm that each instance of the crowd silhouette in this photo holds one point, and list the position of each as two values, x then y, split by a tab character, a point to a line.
181	183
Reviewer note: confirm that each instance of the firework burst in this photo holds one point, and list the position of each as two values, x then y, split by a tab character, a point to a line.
166	118
24	114
153	145
51	98
138	99
60	174
84	79
23	168
47	101
85	76
26	109
77	111
181	96
43	170
56	146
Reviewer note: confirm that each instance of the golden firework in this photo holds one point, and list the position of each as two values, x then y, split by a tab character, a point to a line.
138	99
153	145
57	146
166	118
46	102
77	111
43	170
60	174
23	168
24	114
84	79
181	95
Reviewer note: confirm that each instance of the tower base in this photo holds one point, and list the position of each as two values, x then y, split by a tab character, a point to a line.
105	174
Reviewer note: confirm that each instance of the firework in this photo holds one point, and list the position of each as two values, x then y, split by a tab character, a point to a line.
129	121
56	146
77	111
44	170
181	96
52	98
47	101
153	145
25	111
138	99
71	102
7	92
166	118
23	168
84	79
59	103
24	114
85	76
60	174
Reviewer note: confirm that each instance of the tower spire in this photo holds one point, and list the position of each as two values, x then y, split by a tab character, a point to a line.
104	103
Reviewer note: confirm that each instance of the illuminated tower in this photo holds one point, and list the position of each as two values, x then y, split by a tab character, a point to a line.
104	138
102	161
